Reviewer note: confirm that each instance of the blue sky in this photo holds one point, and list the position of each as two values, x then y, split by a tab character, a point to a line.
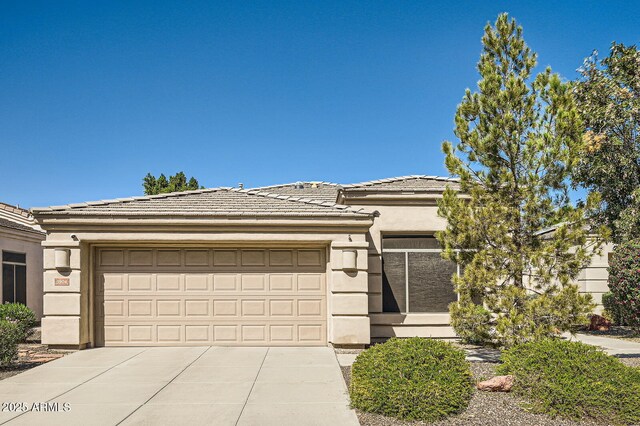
93	95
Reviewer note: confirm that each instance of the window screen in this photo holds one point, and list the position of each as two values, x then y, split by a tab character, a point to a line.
393	282
415	277
409	242
430	286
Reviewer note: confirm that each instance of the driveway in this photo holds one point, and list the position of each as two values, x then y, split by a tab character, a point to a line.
203	385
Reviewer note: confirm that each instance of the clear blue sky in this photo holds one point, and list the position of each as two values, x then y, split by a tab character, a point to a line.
94	95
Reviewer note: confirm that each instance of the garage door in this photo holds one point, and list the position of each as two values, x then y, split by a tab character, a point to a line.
200	296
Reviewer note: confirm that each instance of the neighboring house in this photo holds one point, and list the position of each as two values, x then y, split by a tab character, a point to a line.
21	255
308	263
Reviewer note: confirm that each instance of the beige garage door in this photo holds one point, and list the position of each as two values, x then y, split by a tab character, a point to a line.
200	296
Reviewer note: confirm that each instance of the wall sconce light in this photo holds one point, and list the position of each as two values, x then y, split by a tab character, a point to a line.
349	260
62	259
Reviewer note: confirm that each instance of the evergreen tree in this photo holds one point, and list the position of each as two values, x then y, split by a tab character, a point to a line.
608	97
519	138
162	185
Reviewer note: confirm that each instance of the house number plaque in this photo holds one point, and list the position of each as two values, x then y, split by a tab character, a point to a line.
61	282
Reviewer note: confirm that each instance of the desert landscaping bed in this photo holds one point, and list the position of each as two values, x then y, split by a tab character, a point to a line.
485	407
31	354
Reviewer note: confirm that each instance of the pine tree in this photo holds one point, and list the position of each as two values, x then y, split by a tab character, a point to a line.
162	185
519	137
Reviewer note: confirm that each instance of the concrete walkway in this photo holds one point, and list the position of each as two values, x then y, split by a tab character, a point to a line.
183	386
612	346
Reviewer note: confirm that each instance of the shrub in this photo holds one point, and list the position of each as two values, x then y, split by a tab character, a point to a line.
471	322
10	335
574	380
412	379
624	281
23	316
611	309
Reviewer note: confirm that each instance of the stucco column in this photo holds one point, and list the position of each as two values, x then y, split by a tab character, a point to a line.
349	305
61	324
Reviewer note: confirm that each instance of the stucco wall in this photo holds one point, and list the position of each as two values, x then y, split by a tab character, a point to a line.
398	218
594	278
21	242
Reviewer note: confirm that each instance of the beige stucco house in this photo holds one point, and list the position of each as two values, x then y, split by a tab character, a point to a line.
21	256
310	263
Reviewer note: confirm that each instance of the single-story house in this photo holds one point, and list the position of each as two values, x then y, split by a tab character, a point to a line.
21	253
309	263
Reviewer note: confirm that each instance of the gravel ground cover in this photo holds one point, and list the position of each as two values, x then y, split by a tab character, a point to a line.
31	354
485	408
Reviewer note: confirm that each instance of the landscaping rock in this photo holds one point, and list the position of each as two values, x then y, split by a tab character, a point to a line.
599	323
496	384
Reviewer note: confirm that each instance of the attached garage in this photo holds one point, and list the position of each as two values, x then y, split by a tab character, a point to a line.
202	296
219	266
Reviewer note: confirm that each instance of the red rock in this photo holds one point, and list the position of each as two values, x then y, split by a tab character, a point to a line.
496	384
599	323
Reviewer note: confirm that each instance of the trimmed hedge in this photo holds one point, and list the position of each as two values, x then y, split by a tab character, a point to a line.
21	315
574	380
411	379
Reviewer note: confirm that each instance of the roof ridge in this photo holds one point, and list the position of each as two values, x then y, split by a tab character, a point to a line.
126	199
399	178
299	181
301	199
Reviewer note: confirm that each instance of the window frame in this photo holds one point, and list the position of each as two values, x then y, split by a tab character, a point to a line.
14	265
406	252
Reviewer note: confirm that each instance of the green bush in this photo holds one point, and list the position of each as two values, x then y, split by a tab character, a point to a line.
471	322
574	380
624	281
412	379
23	316
611	309
10	335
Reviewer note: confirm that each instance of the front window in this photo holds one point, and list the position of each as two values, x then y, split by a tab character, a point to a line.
14	277
415	277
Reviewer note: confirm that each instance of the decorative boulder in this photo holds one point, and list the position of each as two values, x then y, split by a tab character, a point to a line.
496	384
599	323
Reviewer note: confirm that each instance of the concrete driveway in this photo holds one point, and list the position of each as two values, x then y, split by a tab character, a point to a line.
190	386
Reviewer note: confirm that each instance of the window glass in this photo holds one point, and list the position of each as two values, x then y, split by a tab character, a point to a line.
21	284
430	286
393	282
7	283
8	256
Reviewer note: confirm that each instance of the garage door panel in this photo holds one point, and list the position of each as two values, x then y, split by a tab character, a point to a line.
281	282
199	296
196	282
197	258
168	282
225	282
140	258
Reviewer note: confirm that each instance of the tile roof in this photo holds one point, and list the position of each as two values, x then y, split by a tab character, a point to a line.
17	218
405	183
325	191
209	202
6	223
